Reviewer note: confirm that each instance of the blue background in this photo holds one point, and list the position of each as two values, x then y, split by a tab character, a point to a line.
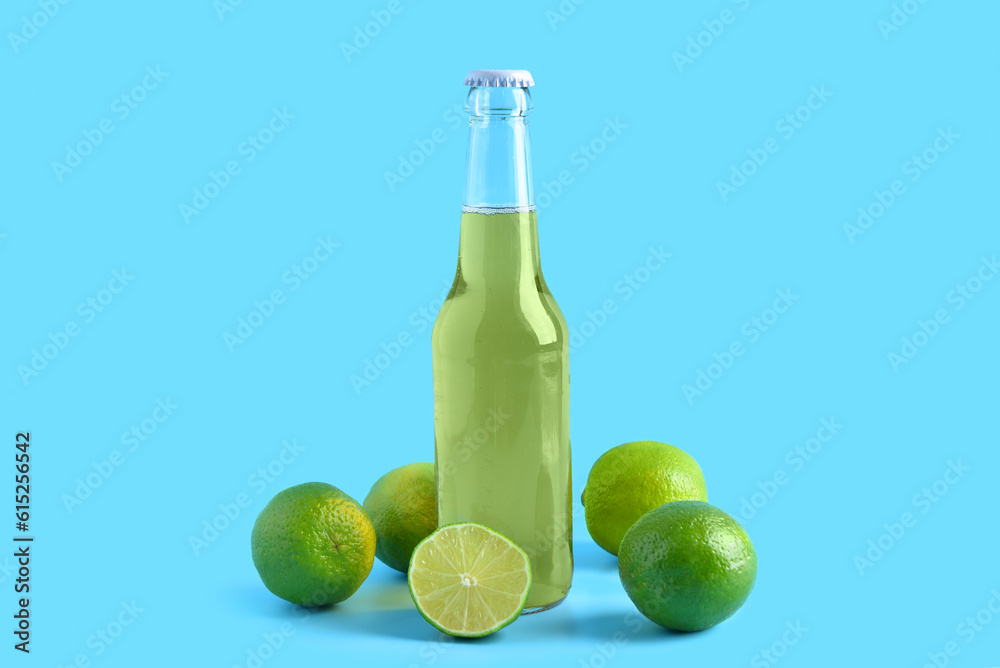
356	117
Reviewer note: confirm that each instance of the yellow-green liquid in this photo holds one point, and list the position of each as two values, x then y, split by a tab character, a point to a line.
501	400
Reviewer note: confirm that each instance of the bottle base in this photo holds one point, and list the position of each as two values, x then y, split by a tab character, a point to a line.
542	608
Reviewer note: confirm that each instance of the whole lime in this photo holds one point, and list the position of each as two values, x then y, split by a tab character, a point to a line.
687	565
402	506
628	481
313	544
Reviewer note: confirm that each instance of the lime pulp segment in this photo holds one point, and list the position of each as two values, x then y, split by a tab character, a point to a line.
467	580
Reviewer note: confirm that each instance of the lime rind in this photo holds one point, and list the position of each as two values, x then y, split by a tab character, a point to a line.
451	538
688	565
632	479
402	506
313	544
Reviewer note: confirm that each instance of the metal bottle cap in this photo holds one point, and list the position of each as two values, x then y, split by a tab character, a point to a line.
500	78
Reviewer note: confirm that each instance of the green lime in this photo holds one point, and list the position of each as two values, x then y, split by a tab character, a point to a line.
628	481
402	506
313	544
687	565
468	580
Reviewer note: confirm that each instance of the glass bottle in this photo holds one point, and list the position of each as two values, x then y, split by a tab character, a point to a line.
501	353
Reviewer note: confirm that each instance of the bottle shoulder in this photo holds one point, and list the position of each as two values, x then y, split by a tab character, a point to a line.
532	316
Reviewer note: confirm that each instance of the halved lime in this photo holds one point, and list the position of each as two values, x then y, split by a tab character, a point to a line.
468	580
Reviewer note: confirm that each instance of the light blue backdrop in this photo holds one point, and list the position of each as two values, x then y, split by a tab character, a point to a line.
213	215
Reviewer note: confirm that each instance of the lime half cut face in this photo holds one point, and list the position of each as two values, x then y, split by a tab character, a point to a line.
468	580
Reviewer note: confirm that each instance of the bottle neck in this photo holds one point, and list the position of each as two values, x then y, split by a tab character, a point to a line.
498	162
498	254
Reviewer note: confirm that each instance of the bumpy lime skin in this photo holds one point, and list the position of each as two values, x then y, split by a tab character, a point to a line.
631	479
402	506
313	545
687	565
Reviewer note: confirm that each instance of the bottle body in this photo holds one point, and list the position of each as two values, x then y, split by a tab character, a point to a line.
501	400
